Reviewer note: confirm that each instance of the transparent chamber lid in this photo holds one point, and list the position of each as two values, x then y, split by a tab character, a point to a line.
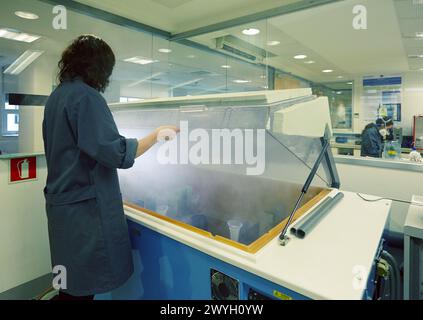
229	172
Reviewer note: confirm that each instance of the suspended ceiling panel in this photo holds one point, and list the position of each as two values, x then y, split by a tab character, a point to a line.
177	16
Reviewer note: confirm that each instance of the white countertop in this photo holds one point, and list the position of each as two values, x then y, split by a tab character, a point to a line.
322	266
7	156
380	163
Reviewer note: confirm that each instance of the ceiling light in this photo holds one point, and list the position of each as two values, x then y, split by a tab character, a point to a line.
183	84
349	83
415	56
327	71
263	76
191	56
273	43
21	63
165	50
251	31
340	77
225	66
339	92
26	15
154	75
241	81
419	34
309	62
140	60
18	36
300	56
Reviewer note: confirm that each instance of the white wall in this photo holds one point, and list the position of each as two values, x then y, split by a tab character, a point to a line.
30	129
24	245
412	99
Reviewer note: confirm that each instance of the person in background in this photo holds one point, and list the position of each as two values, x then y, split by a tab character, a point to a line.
86	223
373	137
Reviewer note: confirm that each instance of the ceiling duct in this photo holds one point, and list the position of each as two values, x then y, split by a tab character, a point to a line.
242	49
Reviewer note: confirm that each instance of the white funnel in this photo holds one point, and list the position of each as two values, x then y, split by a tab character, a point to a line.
234	228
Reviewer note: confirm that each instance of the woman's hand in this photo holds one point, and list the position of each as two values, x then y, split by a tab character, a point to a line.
166	133
161	133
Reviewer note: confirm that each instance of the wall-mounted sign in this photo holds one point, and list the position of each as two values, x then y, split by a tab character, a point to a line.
382	97
22	169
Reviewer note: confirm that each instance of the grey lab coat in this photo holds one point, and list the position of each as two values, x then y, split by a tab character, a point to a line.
87	227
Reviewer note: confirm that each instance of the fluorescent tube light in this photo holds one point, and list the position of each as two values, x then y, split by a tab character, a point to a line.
18	36
140	60
21	63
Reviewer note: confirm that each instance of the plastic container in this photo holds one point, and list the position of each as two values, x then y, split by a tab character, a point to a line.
392	150
234	229
162	209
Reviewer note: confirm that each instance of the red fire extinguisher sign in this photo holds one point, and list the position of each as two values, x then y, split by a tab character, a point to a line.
23	169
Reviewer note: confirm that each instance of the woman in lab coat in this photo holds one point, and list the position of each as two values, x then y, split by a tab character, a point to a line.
87	228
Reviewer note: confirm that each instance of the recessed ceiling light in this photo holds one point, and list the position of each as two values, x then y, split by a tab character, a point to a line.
26	15
263	76
140	60
251	31
419	34
241	81
273	43
340	77
309	62
191	56
226	66
300	56
339	92
18	36
165	50
21	63
415	56
327	71
349	83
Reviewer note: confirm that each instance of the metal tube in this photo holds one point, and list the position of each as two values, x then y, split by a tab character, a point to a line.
316	215
297	204
310	215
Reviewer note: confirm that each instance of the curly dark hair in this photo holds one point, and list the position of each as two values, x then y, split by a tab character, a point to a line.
89	58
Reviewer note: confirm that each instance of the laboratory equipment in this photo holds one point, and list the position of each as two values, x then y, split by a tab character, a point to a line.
413	250
415	155
397	134
418	132
242	157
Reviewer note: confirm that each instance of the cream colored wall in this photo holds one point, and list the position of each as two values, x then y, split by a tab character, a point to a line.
24	245
412	101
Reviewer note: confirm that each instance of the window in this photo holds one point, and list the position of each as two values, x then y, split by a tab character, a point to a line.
10	120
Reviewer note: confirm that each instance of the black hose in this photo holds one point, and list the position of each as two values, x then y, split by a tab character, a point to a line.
395	273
